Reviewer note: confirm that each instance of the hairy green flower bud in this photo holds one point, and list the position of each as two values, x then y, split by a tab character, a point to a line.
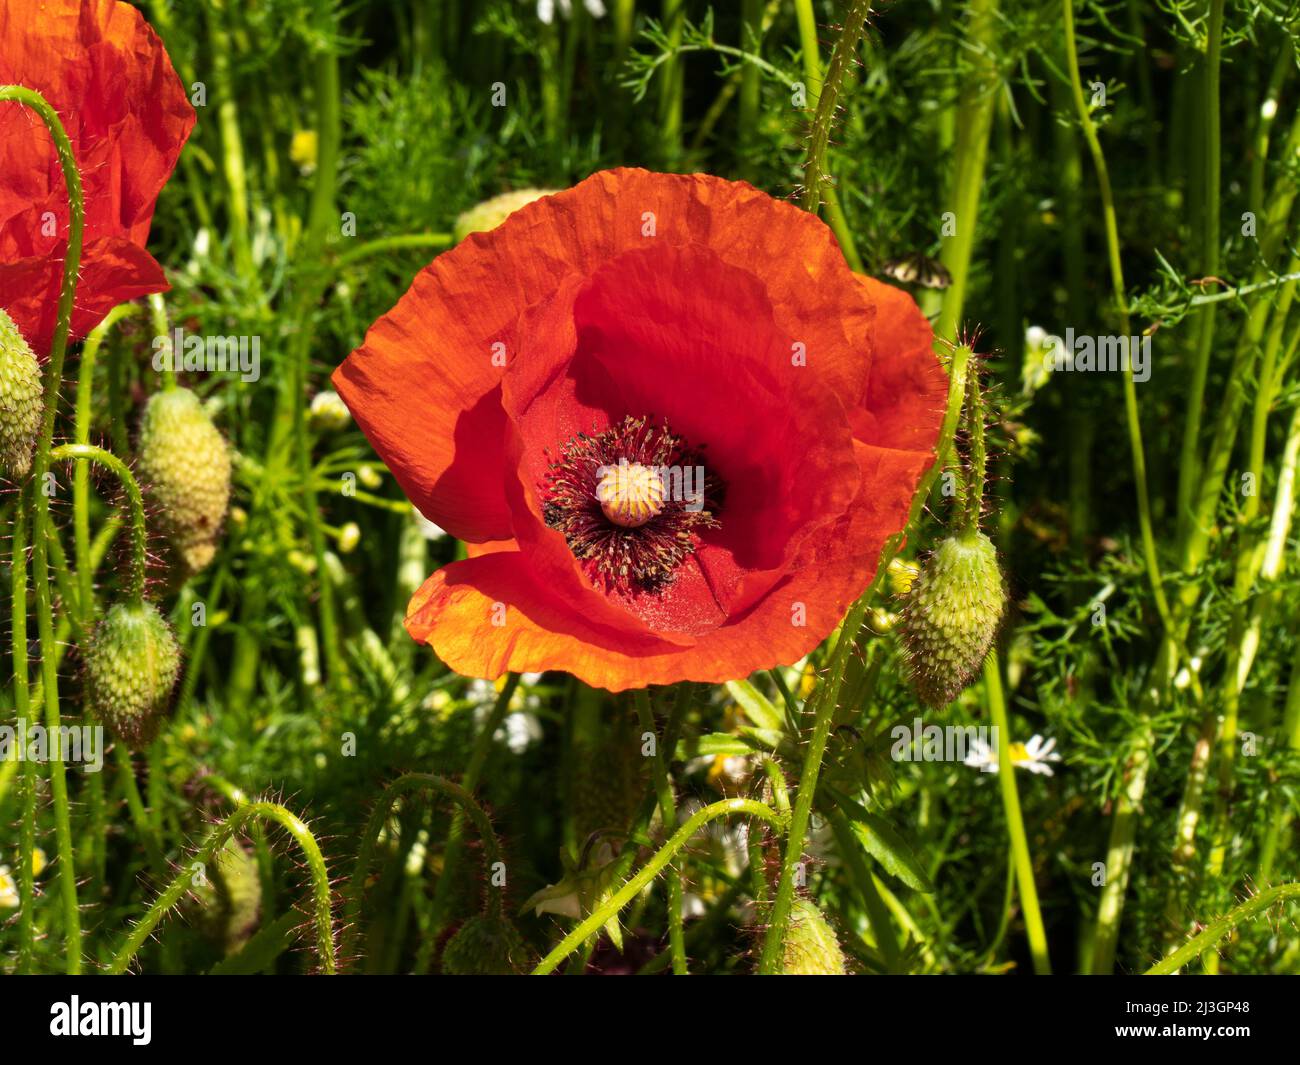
951	616
132	663
185	463
486	946
811	948
230	897
20	400
608	784
491	213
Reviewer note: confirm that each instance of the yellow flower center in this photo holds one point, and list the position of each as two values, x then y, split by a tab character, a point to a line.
630	494
1019	754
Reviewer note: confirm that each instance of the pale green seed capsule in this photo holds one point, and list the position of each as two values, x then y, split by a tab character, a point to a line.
21	403
486	946
132	663
810	948
951	616
491	213
230	897
185	464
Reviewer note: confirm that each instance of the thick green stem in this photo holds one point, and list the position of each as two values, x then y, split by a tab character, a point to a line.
672	85
41	521
974	122
1189	460
1217	929
826	700
329	129
668	811
1015	822
1121	304
615	903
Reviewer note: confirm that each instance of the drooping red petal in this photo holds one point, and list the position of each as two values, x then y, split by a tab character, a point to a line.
107	75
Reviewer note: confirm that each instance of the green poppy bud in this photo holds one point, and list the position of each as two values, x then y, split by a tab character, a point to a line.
811	948
951	616
491	213
230	897
486	946
185	463
21	403
132	663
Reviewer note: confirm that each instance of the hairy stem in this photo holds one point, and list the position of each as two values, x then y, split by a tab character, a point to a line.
41	520
139	531
668	811
322	914
615	903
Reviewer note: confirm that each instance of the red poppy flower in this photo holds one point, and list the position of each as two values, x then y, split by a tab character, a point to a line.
673	426
106	74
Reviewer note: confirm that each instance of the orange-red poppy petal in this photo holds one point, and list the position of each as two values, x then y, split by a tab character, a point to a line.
106	73
701	302
421	384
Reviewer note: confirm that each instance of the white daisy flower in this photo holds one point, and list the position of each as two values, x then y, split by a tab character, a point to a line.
546	9
1034	756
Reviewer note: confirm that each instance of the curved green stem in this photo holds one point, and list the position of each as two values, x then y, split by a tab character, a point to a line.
827	697
1189	460
41	521
403	785
372	248
81	435
253	811
1217	929
615	903
452	849
668	811
1121	303
139	531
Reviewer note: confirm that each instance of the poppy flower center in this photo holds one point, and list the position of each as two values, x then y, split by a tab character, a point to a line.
630	502
630	494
